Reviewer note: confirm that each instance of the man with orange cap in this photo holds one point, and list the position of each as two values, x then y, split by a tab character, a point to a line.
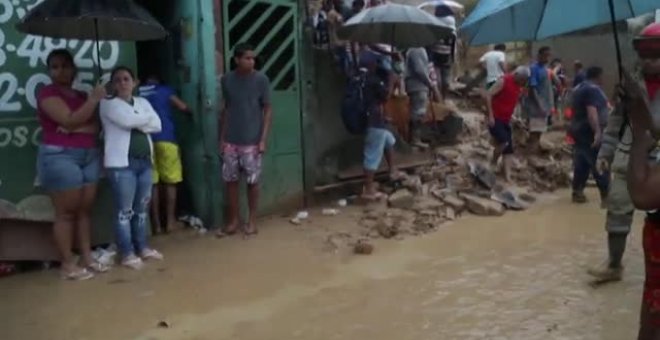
642	104
614	155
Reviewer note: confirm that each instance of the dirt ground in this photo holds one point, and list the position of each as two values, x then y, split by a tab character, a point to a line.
521	276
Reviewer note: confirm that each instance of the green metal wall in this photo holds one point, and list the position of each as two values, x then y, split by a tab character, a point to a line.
273	28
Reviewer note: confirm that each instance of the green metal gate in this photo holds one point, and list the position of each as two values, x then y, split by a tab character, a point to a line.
272	27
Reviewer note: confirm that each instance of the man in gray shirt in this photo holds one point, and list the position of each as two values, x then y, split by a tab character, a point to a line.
244	125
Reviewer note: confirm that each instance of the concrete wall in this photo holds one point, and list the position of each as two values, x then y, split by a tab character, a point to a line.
328	146
592	50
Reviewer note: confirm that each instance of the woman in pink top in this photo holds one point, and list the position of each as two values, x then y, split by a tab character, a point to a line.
68	162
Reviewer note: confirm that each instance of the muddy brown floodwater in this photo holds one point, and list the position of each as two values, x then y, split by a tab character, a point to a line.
521	276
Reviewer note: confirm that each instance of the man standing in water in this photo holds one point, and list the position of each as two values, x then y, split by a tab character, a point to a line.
614	156
244	126
644	176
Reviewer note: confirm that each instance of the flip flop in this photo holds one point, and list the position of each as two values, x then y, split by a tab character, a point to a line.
80	274
247	233
222	234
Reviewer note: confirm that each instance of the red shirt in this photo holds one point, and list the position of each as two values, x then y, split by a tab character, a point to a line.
504	102
653	86
50	135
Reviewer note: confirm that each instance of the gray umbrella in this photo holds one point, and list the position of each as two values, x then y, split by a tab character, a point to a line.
92	20
400	25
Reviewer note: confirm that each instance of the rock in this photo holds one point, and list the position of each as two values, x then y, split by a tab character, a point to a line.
483	206
363	248
402	199
440	172
427	176
447	154
483	174
413	183
450	213
386	228
454	202
539	163
426	203
163	324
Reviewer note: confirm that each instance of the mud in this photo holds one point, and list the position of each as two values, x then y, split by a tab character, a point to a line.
520	276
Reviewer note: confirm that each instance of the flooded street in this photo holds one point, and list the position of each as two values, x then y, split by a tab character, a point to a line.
521	276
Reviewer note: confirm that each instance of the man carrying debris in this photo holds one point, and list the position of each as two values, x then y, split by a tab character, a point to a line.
643	108
418	87
590	109
502	99
541	98
614	155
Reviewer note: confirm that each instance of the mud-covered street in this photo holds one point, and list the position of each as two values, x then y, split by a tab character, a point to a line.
520	276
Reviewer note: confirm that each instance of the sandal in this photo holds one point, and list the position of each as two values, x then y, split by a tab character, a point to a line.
151	254
98	267
80	274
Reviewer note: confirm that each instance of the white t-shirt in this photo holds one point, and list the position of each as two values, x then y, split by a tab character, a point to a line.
492	59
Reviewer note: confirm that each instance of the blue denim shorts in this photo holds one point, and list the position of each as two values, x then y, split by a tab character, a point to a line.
375	143
62	168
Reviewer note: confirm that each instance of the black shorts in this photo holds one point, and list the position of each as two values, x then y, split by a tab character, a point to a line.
502	134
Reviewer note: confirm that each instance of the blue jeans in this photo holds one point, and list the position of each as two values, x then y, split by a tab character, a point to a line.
131	188
584	163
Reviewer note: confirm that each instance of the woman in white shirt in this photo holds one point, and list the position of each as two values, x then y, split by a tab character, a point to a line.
127	122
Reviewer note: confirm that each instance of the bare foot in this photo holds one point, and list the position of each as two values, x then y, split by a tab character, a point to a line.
230	230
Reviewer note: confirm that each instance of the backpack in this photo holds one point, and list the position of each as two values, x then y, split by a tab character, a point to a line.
354	110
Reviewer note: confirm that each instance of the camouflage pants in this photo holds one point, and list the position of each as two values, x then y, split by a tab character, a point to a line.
620	208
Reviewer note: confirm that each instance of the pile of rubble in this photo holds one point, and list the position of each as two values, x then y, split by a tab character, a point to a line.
459	181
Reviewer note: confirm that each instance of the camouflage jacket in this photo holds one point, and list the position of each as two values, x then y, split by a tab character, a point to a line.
614	141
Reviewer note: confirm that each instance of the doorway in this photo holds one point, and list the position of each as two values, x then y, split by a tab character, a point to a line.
160	57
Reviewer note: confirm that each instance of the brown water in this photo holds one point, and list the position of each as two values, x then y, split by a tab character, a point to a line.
516	277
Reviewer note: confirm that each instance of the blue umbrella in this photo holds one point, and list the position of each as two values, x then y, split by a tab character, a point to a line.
497	21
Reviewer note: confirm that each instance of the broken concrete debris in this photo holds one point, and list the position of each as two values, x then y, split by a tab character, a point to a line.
462	179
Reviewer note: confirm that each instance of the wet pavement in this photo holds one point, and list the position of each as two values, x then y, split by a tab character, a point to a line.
521	276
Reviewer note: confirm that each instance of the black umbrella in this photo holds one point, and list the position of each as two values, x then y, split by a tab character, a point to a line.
92	20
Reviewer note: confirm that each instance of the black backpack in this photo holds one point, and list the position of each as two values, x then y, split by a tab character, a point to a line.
354	109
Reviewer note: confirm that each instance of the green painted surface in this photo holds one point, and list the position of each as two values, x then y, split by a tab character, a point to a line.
273	28
22	73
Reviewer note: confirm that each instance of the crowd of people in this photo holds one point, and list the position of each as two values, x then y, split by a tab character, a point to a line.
131	140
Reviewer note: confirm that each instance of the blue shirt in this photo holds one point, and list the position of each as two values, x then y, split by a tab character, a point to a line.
159	97
540	82
585	95
579	78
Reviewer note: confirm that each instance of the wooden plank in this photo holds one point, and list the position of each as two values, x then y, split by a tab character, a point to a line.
402	161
